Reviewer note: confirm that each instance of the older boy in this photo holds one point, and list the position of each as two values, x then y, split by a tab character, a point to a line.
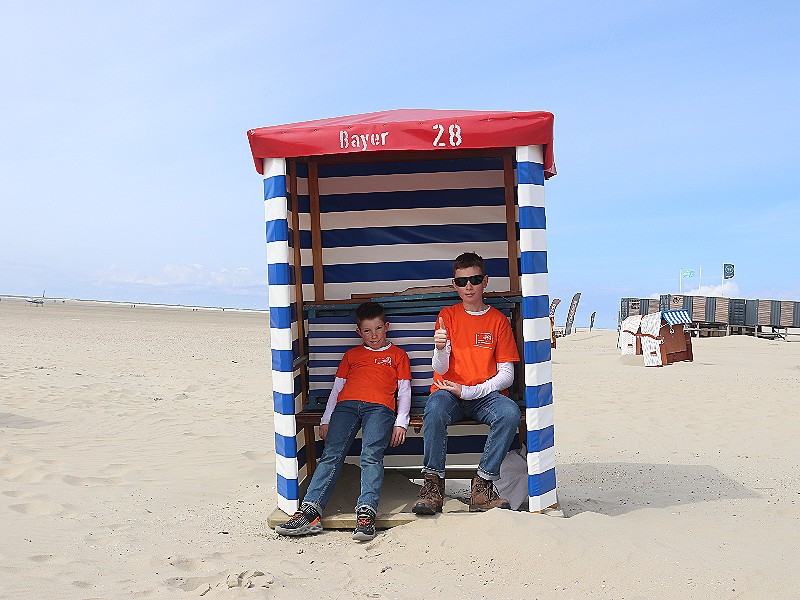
474	352
363	395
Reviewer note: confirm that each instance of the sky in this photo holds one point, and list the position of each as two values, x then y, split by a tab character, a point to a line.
125	172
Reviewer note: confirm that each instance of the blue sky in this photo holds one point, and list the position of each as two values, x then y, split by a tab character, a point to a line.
125	172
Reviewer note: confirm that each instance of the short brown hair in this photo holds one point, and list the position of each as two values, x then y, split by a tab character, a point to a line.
467	260
370	310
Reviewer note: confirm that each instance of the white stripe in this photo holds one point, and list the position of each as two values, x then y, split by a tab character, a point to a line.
286	466
342	291
534	330
539	418
280	295
275	208
285	425
273	167
532	240
283	383
539	373
471	215
530	194
411	182
278	252
541	462
534	284
281	339
546	500
288	506
410	252
304	221
530	154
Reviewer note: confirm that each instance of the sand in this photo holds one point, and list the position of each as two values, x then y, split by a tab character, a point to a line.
137	461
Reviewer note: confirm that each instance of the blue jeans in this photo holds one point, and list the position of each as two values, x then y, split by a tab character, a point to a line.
376	422
499	412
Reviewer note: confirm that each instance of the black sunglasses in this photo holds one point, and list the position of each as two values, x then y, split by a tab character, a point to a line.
473	279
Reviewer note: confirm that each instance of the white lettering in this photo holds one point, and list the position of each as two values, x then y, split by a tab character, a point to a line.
361	141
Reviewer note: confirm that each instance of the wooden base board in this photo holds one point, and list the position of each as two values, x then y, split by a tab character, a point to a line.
384	521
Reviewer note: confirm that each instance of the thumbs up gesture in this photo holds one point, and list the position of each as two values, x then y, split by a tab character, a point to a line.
440	336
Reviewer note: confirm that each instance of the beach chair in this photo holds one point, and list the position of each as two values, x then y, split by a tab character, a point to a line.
370	206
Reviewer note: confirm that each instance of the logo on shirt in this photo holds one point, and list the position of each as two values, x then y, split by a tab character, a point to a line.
484	340
385	360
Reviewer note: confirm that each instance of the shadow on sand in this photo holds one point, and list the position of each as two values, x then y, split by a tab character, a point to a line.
619	488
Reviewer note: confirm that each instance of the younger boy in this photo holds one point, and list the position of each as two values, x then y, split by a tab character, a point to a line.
363	395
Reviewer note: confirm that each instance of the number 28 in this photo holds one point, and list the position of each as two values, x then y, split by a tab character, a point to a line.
455	135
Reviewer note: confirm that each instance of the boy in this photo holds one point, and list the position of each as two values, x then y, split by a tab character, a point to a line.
474	352
363	395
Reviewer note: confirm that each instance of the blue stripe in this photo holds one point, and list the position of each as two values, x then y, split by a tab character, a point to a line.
275	187
535	307
350	319
283	403
420	389
279	274
536	352
540	439
537	396
538	485
419	234
445	198
286	446
531	263
280	317
278	231
282	360
530	172
288	488
407	167
532	217
411	270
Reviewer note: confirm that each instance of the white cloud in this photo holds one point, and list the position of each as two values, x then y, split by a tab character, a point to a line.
730	290
194	276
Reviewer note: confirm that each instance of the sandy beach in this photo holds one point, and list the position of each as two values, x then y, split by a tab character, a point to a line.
137	461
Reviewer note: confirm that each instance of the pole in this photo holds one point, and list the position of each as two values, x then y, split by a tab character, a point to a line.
701	279
680	282
723	280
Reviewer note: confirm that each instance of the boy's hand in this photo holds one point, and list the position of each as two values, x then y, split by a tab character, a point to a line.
440	336
398	436
449	386
323	431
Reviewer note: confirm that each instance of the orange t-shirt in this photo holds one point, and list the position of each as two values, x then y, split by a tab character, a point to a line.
477	344
372	375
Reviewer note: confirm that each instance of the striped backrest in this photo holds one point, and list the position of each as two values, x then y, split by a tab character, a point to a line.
390	226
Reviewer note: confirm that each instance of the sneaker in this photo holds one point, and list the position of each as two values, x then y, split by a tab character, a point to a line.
484	496
365	524
431	496
304	522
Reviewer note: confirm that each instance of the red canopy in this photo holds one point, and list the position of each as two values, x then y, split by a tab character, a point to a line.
406	129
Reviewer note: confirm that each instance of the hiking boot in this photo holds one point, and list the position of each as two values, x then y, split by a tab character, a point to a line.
431	496
304	522
484	496
365	524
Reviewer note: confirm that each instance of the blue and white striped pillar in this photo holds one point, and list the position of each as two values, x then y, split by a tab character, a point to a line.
282	332
536	329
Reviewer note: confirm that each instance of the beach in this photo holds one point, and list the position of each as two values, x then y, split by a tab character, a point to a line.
137	461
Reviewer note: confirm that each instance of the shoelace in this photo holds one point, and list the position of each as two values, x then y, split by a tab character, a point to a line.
364	520
488	486
429	488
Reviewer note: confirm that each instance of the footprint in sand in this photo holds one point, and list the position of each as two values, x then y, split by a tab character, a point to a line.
44	508
257	456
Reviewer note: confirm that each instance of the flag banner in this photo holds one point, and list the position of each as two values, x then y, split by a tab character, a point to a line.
687	273
553	305
571	314
727	271
591	320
